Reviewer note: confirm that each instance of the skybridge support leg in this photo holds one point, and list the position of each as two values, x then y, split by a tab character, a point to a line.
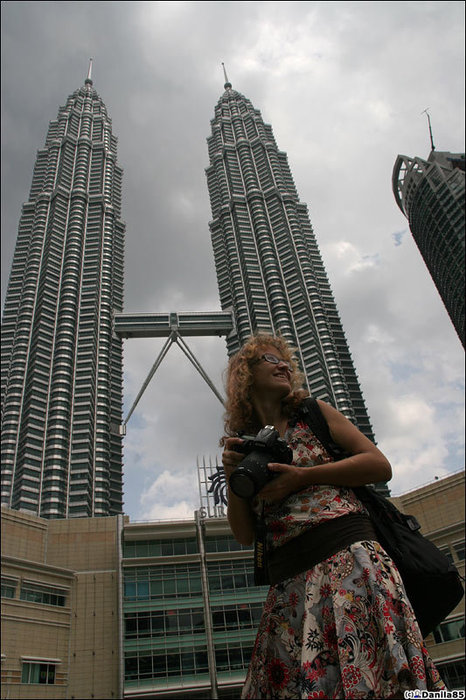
192	358
171	339
174	337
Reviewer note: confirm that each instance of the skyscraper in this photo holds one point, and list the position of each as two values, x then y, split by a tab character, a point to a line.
61	381
430	193
269	268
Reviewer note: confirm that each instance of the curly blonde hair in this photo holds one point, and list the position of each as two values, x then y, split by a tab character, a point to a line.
240	415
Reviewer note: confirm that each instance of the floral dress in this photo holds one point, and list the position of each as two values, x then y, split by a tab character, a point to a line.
345	628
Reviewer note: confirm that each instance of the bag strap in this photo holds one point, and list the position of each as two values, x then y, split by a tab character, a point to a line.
313	416
375	503
311	413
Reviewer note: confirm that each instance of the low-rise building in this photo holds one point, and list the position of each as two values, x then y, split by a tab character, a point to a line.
190	608
60	607
439	508
106	608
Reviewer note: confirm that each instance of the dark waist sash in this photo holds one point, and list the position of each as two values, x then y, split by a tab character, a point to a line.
313	546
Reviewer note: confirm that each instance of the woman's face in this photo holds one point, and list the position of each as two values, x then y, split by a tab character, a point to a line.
271	378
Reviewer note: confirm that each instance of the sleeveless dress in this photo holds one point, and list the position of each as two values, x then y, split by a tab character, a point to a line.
345	628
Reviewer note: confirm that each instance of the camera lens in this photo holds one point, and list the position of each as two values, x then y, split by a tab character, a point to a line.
251	475
242	484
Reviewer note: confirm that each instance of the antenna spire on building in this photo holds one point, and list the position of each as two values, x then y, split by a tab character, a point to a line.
88	80
430	127
227	82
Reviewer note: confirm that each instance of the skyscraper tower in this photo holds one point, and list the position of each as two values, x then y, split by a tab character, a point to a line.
61	381
430	193
269	268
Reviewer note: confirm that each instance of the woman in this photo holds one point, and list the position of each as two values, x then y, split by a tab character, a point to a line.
343	628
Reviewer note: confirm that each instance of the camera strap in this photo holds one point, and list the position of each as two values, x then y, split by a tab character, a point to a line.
261	577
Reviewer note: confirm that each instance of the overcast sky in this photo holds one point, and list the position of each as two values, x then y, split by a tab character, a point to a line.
343	85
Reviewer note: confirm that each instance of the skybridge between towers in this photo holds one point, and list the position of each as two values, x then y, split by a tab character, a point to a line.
173	326
161	325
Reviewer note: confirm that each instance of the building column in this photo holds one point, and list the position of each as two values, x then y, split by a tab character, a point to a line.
200	530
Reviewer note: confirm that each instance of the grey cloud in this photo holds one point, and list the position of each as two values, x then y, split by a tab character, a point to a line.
343	85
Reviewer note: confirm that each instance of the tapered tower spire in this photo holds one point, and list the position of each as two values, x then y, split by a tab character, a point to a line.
269	269
61	379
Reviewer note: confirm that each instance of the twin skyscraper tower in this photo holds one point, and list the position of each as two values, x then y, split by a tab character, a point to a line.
62	380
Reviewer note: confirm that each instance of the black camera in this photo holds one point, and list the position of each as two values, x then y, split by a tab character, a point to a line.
251	475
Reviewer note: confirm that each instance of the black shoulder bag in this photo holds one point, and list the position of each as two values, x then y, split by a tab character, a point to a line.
432	582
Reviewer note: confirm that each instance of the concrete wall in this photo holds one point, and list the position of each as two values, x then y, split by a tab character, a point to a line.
79	556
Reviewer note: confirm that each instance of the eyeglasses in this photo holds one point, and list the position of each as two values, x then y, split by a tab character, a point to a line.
274	360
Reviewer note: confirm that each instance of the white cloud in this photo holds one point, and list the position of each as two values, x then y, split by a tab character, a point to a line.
349	258
413	441
183	510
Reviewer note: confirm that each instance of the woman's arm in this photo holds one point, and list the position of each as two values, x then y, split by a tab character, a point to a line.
366	465
239	513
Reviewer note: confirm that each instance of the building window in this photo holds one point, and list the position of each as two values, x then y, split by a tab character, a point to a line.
150	583
234	617
35	672
228	576
446	551
8	588
459	550
452	674
233	658
224	543
449	630
46	595
164	623
186	662
159	548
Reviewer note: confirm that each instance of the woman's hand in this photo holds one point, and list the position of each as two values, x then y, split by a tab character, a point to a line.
230	458
240	515
288	481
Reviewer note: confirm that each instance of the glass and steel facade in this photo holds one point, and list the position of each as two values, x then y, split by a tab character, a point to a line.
108	608
430	193
61	381
269	268
190	609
